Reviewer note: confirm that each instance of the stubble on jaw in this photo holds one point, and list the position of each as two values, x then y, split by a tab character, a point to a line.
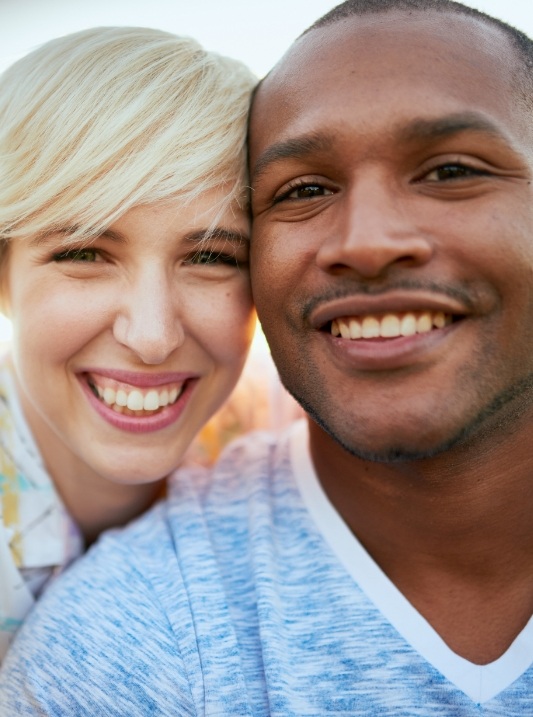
491	424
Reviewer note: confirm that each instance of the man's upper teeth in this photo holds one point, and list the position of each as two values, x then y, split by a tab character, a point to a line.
137	400
389	325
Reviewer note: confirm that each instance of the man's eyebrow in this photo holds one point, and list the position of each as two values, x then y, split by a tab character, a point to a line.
296	148
417	129
442	127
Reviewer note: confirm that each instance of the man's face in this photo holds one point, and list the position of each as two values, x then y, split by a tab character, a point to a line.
392	250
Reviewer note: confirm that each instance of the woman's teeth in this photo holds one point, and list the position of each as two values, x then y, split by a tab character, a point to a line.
134	401
389	326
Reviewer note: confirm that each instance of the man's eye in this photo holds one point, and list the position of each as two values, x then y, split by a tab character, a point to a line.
78	255
453	171
304	191
309	190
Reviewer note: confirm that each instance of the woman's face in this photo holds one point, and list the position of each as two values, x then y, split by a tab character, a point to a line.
122	350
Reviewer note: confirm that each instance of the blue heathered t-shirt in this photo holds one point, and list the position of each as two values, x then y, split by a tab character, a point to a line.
245	594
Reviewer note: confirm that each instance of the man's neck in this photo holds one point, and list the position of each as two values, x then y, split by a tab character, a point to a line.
453	533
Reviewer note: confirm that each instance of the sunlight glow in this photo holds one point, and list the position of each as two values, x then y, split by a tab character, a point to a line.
6	329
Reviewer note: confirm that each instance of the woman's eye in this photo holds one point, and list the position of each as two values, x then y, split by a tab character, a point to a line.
453	171
208	258
77	255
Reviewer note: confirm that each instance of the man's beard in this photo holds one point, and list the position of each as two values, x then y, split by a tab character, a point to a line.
496	418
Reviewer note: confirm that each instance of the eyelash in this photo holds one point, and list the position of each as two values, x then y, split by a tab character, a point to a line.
465	171
200	257
206	258
300	184
74	255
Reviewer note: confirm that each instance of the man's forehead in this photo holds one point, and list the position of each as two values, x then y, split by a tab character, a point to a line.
384	35
337	59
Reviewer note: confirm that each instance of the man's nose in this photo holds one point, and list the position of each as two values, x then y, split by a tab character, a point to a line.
374	228
148	320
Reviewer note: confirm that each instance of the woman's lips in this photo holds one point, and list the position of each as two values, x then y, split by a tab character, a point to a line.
122	397
150	406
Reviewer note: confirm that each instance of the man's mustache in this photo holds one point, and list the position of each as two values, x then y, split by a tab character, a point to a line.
349	288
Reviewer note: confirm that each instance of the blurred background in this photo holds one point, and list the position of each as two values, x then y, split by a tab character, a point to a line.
255	31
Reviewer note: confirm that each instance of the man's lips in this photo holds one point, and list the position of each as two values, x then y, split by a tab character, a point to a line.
381	315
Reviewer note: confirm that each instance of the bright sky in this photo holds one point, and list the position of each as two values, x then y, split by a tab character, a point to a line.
255	31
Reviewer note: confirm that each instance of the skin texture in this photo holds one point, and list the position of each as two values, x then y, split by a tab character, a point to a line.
391	172
139	299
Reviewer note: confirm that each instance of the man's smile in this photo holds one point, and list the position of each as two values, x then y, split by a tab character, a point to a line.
389	325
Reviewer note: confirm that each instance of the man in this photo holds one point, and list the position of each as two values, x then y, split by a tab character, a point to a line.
387	569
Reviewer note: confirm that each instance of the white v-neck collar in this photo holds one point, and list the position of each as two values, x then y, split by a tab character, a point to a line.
479	682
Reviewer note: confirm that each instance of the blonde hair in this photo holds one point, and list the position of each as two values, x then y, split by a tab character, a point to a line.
102	120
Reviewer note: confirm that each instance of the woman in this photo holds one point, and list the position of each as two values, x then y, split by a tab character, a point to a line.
124	248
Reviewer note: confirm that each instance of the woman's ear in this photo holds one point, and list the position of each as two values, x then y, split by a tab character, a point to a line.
5	304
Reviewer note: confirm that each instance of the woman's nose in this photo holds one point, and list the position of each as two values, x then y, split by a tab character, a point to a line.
148	321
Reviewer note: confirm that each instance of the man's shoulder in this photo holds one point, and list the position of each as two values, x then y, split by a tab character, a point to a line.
147	599
142	552
257	460
108	615
146	556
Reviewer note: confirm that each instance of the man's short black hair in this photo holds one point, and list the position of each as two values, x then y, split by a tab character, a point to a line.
519	40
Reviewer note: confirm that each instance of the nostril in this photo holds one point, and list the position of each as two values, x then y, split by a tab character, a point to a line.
372	253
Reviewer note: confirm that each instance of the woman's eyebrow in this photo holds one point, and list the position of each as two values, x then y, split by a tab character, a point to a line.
230	235
67	232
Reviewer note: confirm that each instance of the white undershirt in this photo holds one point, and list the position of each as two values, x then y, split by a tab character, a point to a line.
480	682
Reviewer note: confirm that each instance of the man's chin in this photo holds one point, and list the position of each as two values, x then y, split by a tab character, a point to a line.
381	448
393	453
